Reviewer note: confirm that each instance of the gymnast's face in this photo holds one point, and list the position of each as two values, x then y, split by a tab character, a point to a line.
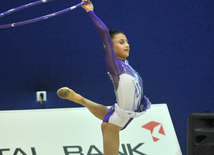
121	46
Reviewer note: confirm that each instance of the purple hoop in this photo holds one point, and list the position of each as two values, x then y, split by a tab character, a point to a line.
38	18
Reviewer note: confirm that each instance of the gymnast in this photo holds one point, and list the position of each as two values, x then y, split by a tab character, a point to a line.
128	87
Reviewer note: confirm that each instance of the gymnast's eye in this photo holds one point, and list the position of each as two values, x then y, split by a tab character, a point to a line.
122	41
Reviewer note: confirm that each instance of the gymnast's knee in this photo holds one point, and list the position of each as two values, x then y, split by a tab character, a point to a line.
110	127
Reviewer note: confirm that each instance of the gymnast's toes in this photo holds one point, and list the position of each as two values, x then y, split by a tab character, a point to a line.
64	92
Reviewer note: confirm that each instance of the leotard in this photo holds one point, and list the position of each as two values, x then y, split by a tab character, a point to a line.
128	85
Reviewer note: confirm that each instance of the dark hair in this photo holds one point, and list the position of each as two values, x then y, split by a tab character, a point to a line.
114	32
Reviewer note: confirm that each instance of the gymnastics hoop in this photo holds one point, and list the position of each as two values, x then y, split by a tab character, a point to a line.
38	18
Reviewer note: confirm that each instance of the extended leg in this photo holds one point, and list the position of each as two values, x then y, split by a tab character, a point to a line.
96	109
110	138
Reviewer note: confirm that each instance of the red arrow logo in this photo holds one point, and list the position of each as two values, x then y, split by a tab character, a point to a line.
151	126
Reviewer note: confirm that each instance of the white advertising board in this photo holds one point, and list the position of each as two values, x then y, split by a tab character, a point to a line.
75	131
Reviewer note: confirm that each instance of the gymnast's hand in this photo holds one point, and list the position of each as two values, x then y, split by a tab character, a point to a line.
88	6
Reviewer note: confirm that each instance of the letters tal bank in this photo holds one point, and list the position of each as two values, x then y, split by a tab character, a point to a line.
127	149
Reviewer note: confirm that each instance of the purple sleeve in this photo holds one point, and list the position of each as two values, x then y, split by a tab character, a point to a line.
113	64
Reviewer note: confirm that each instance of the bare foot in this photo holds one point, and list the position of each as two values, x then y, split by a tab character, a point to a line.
69	94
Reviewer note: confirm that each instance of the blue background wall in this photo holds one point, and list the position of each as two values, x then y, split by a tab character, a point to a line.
171	47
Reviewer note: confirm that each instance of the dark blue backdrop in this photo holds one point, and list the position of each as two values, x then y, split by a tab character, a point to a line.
171	47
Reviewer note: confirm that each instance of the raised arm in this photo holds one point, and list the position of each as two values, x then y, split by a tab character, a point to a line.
113	64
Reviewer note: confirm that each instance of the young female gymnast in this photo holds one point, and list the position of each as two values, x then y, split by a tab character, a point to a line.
128	87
